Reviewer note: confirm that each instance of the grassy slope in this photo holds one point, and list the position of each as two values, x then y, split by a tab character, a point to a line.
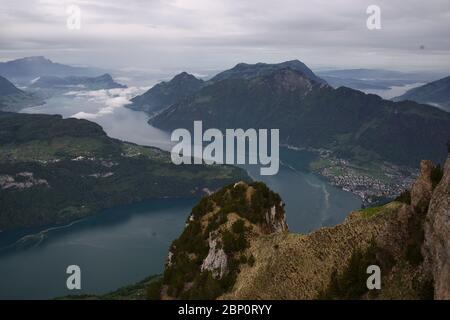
296	266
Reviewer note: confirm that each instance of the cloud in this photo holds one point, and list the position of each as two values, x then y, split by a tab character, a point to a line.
219	33
108	100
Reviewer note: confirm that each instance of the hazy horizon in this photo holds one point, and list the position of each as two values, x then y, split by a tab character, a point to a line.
211	35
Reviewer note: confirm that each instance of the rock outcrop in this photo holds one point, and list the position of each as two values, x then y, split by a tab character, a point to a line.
276	219
216	261
422	188
437	236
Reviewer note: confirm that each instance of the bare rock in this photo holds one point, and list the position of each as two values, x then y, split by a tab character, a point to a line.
216	261
422	188
276	219
437	236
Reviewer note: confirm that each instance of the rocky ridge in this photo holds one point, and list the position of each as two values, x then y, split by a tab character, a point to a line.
204	261
241	251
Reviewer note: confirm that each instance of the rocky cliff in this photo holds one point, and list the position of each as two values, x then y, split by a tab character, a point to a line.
236	245
437	236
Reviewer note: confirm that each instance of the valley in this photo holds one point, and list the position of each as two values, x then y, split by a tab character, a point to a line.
233	151
103	240
319	185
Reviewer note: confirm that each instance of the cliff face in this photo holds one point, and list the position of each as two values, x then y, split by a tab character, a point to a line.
422	188
437	236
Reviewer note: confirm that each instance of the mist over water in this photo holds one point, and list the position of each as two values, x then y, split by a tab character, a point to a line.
395	91
106	107
125	244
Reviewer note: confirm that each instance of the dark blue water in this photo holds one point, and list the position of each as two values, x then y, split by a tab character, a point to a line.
117	247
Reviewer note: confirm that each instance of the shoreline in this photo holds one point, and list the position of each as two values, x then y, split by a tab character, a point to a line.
381	183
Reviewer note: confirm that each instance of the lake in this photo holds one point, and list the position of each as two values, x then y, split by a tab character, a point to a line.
117	247
123	245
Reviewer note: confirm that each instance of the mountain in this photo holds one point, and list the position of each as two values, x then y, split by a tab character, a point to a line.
104	81
55	170
14	99
165	94
436	93
29	68
184	85
353	124
251	71
236	245
205	260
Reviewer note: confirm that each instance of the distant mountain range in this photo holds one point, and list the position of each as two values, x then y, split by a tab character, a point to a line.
14	99
436	93
374	79
104	81
29	68
310	113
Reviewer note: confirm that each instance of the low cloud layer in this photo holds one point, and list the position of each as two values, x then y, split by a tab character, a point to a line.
197	35
107	100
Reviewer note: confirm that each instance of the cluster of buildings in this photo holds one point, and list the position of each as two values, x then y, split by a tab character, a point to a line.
388	182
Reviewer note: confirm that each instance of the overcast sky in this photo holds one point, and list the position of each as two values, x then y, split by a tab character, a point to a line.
216	34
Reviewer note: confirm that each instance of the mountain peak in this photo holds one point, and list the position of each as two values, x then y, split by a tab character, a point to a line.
248	71
166	93
184	76
35	59
217	235
105	76
288	79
